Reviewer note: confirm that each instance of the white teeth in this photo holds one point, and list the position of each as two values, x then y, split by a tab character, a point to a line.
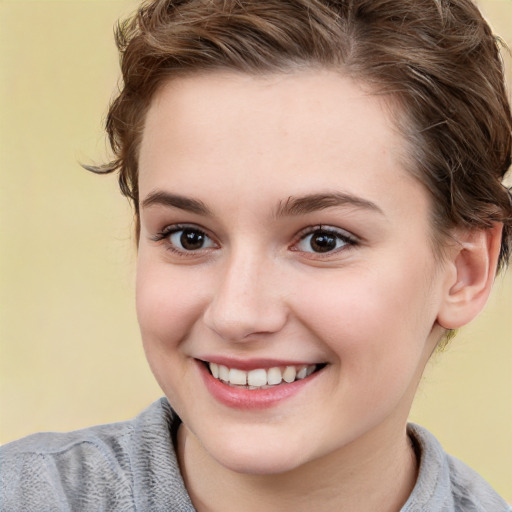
302	373
238	377
289	374
274	376
260	378
223	373
257	377
214	368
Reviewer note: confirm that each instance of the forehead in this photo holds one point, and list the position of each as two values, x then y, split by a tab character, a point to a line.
309	101
276	135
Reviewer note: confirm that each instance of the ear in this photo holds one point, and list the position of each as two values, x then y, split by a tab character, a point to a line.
471	271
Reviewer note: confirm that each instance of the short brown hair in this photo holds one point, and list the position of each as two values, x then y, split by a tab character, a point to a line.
438	58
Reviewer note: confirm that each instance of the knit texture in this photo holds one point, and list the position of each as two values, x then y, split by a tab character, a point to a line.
132	466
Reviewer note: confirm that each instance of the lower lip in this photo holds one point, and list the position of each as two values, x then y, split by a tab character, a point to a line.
242	398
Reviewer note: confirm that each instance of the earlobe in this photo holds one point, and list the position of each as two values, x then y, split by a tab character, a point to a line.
473	268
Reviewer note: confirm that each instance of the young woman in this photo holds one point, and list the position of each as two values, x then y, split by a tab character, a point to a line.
319	203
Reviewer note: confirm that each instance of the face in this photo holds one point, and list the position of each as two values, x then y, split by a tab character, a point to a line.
287	291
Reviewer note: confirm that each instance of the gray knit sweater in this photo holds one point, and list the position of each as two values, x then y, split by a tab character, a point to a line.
132	466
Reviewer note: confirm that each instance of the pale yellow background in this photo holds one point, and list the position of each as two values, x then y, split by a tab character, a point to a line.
70	354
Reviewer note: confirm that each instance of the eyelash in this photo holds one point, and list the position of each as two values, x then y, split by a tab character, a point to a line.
168	231
346	238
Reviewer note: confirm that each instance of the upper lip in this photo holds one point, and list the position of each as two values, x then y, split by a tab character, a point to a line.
255	363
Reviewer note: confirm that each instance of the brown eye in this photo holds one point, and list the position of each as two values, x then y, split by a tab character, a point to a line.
190	239
323	240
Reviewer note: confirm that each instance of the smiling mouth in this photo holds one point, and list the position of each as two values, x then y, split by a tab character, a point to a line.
261	378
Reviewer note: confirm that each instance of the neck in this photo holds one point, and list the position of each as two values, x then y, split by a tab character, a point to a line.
378	472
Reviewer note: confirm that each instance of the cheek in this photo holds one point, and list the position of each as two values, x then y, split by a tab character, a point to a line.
376	339
370	319
167	309
168	302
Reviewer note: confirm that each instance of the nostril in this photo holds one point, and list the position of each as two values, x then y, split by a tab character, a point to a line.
245	326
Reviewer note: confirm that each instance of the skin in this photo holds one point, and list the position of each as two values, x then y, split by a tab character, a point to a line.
242	146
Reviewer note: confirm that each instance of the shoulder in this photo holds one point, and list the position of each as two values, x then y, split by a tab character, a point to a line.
471	491
445	484
58	471
107	467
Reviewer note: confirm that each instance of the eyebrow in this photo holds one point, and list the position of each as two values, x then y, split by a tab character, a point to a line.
176	201
293	206
314	202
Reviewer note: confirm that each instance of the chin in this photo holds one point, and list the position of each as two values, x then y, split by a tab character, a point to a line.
259	457
257	464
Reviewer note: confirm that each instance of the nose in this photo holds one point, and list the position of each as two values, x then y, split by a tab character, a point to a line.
247	300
